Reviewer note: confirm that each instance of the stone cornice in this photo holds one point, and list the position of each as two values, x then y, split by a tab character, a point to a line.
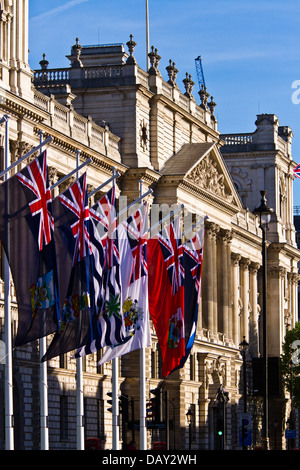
186	185
68	144
18	107
190	117
286	248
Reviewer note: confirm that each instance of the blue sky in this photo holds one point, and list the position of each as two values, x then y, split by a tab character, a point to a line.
250	49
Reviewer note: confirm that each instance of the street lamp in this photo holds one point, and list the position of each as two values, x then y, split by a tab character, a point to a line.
264	212
189	417
244	345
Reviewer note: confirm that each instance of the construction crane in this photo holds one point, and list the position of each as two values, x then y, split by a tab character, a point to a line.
200	74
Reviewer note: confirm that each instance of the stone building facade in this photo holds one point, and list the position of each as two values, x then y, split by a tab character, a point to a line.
105	106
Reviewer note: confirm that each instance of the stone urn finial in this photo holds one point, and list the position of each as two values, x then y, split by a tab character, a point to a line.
212	105
188	84
44	63
76	52
204	95
172	72
131	46
154	60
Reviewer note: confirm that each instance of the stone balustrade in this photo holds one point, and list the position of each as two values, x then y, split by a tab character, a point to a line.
237	139
74	125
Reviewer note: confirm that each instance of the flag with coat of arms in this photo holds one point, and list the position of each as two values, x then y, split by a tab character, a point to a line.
108	322
71	218
192	260
166	294
26	232
132	237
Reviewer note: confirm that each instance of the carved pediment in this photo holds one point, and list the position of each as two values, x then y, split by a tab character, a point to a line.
207	175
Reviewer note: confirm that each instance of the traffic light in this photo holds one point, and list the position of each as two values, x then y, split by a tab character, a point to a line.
109	402
220	426
244	431
124	408
156	407
150	411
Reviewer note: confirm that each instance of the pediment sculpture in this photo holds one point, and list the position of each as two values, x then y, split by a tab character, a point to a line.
207	176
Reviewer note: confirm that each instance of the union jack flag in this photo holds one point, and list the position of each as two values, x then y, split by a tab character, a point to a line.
77	202
194	248
172	250
108	319
38	183
136	227
104	216
296	171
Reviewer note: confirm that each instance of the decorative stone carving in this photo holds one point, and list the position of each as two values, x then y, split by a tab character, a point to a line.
154	60
143	135
207	176
215	372
52	170
76	52
204	95
131	46
188	85
44	62
235	258
172	72
212	105
19	148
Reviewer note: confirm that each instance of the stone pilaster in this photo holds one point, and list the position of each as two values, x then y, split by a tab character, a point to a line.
235	283
209	290
254	317
244	279
224	238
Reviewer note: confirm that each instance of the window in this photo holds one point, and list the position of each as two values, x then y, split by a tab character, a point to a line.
64	425
100	418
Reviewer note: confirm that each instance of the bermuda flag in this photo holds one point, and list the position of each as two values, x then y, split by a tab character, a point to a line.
132	237
71	216
108	323
296	171
166	294
193	259
26	232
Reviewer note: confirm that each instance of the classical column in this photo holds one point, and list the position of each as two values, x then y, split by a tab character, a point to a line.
223	281
215	280
235	283
294	280
276	309
244	277
209	280
254	331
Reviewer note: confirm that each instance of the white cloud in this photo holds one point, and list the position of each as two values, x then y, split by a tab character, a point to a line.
57	10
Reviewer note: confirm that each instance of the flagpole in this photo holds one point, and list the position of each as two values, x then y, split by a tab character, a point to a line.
47	141
165	218
143	429
43	381
104	184
115	387
150	191
9	432
147	35
71	173
79	373
195	225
